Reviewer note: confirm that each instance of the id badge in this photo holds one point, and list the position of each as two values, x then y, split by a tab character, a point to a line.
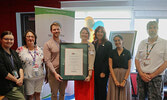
35	68
14	72
91	52
146	62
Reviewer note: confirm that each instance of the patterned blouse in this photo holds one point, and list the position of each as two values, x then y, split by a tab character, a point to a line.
32	62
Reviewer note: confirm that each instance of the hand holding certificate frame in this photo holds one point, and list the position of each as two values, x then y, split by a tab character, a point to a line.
73	61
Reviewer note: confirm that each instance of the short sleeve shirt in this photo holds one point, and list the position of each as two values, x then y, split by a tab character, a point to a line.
157	56
122	60
27	60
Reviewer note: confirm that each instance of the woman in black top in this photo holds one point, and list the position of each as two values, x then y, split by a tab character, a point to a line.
120	65
11	72
101	67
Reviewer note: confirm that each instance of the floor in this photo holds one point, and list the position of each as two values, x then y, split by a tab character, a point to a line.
133	98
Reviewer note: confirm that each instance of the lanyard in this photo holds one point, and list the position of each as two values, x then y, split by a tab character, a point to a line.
11	59
34	57
148	52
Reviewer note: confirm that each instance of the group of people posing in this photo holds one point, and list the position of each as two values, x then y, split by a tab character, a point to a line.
108	68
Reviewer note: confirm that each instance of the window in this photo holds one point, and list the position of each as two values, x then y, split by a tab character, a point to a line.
162	28
113	20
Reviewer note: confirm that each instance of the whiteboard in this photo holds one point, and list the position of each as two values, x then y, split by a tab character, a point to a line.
129	38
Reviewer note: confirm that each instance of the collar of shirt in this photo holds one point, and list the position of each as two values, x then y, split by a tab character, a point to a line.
158	40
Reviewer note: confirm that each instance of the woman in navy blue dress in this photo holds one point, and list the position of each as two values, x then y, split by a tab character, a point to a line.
103	48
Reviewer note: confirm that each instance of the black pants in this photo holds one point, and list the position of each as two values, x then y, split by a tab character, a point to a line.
100	87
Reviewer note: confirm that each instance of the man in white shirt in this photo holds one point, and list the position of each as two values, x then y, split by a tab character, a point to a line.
151	61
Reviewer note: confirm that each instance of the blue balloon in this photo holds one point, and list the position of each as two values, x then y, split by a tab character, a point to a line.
98	23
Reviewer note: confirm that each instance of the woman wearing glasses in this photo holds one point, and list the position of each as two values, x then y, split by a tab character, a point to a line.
32	58
11	72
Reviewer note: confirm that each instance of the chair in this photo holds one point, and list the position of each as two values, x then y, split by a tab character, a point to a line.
133	77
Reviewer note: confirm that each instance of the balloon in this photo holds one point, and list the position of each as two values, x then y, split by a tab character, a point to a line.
91	35
89	22
98	23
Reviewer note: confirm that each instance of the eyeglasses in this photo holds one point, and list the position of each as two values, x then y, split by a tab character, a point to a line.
30	37
7	39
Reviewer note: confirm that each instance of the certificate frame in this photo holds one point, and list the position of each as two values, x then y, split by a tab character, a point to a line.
68	65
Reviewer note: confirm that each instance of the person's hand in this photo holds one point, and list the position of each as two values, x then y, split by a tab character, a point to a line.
102	75
87	79
145	77
117	83
151	76
58	77
123	83
19	82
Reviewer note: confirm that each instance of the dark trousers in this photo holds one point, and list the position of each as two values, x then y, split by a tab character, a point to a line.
100	87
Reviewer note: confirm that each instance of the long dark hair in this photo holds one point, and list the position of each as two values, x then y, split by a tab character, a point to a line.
104	39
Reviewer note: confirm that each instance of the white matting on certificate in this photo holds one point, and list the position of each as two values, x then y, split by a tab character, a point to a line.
73	61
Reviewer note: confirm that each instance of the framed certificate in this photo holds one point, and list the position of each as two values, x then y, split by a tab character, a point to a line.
73	61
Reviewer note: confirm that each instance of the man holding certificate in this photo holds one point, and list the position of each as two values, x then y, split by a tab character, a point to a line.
51	57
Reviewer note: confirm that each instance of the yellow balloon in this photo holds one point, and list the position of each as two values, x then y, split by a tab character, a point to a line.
89	22
91	35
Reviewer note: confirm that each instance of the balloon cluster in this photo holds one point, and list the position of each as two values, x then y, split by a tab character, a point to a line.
89	22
